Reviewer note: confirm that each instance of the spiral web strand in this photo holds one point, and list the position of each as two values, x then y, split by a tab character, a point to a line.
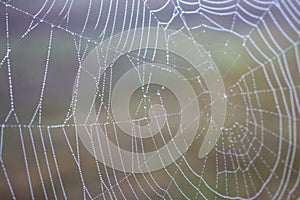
254	44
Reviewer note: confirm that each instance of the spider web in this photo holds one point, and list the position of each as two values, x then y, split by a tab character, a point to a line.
254	44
